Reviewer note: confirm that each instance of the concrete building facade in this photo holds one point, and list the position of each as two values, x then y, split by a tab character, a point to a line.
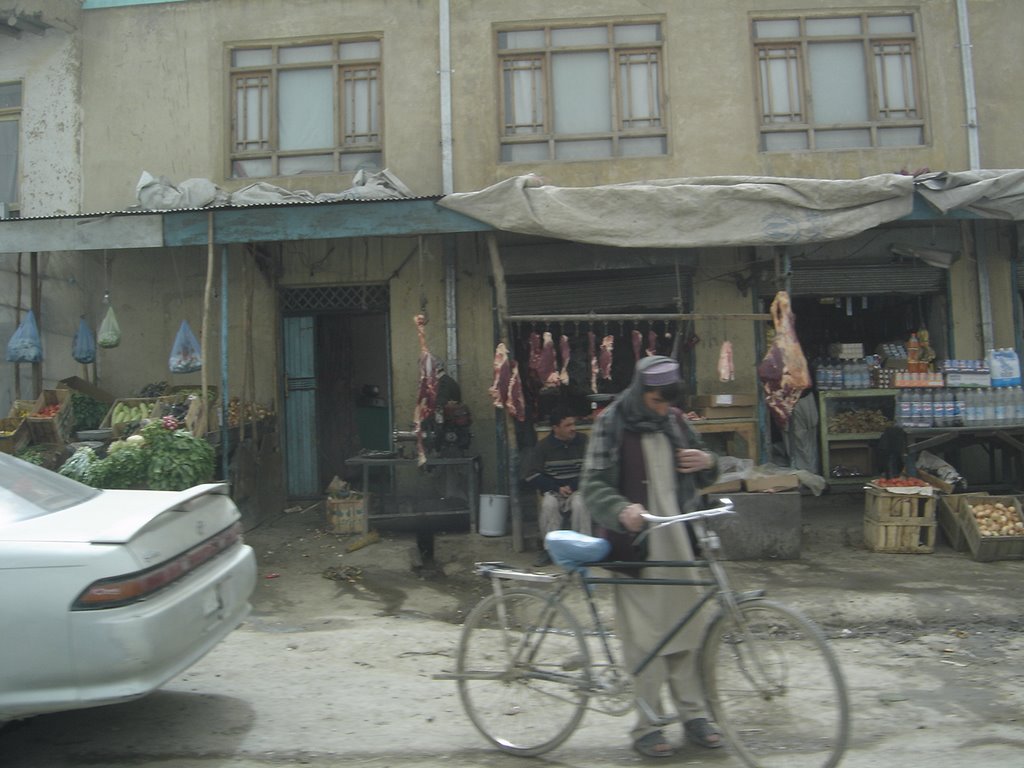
454	96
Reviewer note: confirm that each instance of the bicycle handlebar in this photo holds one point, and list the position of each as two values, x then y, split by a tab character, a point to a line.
725	507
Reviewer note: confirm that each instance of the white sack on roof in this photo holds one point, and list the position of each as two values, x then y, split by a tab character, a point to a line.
991	194
694	212
159	194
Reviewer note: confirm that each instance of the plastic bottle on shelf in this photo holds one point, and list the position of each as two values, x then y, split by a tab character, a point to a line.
927	409
915	408
988	418
971	410
944	410
959	407
1018	405
903	412
913	348
999	406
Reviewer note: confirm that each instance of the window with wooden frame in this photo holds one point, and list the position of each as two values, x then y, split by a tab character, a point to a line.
10	138
310	107
582	92
839	82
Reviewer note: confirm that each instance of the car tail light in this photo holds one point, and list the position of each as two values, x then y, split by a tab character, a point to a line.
133	587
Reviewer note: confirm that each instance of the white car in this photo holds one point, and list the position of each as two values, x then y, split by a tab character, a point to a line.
107	595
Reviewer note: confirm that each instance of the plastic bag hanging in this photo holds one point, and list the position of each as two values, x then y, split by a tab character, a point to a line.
83	348
185	354
110	330
25	345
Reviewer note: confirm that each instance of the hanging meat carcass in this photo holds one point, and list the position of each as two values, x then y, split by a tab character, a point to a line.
547	367
783	371
652	344
515	402
638	343
507	390
426	398
726	370
502	374
534	363
592	355
563	373
604	362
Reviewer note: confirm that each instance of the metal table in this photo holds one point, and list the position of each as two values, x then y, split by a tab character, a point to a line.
1010	471
470	463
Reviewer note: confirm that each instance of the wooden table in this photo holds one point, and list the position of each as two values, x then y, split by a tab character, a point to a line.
1004	447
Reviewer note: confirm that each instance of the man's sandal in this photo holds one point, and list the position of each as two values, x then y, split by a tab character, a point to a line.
701	732
654	744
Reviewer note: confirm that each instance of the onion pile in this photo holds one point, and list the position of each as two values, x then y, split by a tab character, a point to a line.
997	519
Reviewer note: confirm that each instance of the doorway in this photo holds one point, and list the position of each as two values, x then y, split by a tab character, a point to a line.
336	378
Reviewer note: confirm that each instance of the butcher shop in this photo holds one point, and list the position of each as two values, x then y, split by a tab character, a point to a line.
811	335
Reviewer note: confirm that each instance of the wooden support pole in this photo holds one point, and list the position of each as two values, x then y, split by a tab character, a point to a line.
508	458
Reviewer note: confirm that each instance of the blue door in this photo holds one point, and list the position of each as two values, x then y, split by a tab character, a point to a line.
300	407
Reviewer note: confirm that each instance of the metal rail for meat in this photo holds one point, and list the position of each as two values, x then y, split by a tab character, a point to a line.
593	316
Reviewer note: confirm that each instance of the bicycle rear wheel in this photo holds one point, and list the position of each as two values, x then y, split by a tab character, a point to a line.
775	688
523	671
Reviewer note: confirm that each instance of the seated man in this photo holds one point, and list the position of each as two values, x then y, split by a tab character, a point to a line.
553	468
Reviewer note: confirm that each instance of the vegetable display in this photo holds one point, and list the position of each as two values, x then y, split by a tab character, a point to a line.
997	519
899	482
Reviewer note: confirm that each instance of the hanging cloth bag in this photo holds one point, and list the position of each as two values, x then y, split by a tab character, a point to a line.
25	346
83	348
185	354
110	330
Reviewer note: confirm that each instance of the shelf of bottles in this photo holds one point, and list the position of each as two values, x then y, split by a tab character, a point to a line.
960	394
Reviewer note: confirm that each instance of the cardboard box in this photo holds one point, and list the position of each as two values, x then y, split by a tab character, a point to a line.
846	350
766	483
347	515
958	379
729	486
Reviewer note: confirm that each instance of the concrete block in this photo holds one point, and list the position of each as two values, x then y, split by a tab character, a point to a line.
766	526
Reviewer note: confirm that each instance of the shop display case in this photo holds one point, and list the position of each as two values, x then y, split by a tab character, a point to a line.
850	422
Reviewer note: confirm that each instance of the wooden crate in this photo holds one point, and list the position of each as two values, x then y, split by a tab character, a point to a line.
347	515
884	506
57	429
950	515
15	435
985	549
909	538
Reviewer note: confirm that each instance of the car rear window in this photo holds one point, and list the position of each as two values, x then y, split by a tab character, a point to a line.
27	490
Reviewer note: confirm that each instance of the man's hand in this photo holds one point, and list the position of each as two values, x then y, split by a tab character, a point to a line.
565	490
690	460
632	519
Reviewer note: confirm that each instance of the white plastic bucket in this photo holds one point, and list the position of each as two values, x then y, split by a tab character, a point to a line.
493	515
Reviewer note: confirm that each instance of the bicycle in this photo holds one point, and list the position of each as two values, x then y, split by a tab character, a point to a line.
527	670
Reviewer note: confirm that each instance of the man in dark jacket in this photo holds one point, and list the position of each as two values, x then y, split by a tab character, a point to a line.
553	468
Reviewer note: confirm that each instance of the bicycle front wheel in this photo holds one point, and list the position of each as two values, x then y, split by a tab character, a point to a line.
775	688
523	671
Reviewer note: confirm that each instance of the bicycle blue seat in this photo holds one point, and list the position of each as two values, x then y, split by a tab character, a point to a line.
572	550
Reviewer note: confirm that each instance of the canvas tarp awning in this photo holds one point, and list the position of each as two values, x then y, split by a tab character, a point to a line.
731	210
